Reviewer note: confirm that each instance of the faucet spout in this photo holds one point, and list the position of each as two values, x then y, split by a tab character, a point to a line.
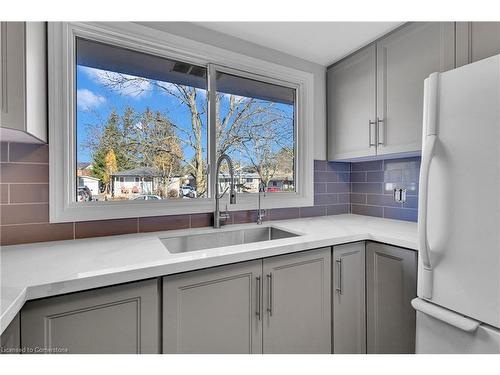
261	213
218	216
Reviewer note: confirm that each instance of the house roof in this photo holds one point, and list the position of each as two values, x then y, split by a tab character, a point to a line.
89	178
83	165
139	172
242	175
282	176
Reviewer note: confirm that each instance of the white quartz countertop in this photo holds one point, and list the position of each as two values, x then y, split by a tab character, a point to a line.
52	268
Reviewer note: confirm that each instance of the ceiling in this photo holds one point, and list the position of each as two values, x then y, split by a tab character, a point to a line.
319	42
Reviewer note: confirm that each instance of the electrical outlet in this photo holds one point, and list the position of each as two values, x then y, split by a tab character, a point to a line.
399	195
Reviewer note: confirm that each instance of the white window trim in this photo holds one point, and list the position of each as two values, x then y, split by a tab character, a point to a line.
61	36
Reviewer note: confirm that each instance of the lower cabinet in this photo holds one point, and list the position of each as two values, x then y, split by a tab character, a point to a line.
10	340
117	319
215	310
391	283
349	310
284	304
275	305
297	309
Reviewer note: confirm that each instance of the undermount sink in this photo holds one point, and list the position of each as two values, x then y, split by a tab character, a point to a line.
211	240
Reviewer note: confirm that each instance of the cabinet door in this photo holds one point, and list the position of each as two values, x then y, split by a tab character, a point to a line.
10	340
297	310
351	106
12	74
477	41
216	310
118	319
391	283
404	59
349	318
484	40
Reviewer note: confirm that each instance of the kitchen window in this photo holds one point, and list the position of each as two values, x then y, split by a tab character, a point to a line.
255	126
143	118
149	120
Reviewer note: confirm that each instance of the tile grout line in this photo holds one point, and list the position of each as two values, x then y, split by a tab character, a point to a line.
24	163
45	203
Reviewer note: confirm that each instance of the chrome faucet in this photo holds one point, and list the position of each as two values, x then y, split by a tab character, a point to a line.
218	216
262	213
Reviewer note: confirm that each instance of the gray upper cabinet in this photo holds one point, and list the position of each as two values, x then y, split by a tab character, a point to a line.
296	302
404	59
215	310
375	96
23	87
349	318
476	41
391	276
10	340
351	106
117	319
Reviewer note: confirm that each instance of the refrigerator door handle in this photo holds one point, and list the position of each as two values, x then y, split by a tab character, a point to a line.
457	320
431	87
428	153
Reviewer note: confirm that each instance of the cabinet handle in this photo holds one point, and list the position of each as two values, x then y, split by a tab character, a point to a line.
339	280
380	133
258	286
370	143
270	294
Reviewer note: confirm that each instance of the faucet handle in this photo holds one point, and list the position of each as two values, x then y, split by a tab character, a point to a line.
232	198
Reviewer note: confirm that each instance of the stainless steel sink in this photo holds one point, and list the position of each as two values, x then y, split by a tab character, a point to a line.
211	240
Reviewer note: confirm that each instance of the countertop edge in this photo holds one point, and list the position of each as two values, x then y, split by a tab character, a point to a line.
127	274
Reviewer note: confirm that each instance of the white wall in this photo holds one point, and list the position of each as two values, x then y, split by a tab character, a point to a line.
207	36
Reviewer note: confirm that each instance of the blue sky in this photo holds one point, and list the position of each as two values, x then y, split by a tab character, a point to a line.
95	102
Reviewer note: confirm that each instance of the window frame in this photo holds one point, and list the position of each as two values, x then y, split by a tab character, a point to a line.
62	115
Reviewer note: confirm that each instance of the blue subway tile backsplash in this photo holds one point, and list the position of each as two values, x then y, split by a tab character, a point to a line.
366	188
331	189
373	195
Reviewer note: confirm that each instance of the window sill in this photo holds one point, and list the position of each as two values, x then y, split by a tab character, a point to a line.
86	211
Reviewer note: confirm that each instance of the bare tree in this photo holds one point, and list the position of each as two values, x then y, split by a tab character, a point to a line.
256	128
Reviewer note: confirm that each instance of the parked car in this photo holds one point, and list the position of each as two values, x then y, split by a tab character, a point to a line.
84	194
188	191
147	197
273	189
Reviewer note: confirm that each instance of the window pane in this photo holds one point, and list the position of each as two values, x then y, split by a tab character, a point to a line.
255	127
141	125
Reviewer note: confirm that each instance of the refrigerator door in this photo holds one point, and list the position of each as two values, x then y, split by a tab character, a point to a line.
436	337
459	219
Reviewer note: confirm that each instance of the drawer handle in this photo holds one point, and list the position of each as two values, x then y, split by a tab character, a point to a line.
270	294
370	125
380	131
338	262
257	312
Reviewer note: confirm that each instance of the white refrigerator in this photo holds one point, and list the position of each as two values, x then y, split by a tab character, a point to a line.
458	304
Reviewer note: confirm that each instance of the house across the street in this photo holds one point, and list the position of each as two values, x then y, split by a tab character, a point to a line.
90	182
84	169
142	181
